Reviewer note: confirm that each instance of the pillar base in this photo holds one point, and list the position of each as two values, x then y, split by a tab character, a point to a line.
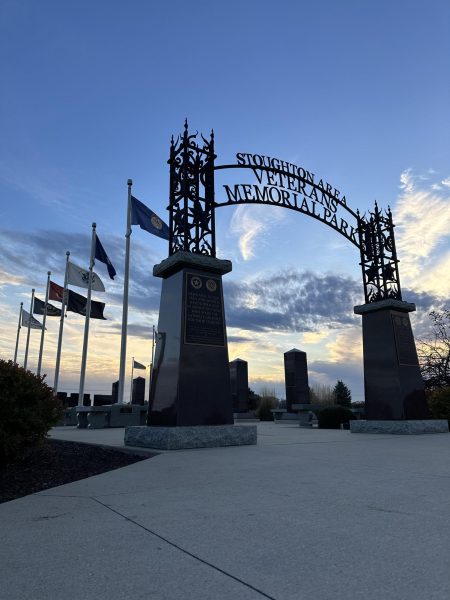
403	427
180	438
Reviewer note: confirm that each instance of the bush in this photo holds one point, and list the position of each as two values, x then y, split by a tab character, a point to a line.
333	417
439	403
28	409
267	403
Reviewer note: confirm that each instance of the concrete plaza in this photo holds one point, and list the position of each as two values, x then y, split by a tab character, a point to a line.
306	514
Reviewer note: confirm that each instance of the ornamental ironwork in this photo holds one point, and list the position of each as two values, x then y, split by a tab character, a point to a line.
277	183
379	260
191	208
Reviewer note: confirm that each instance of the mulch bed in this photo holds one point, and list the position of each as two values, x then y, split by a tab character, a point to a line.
56	463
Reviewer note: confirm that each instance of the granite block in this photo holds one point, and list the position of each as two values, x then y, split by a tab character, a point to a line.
201	436
406	427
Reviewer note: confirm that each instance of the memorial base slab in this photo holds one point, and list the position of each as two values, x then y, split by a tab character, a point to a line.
403	427
180	438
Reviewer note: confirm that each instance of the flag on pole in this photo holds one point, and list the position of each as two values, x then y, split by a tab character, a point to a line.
29	321
138	365
80	278
39	308
146	219
56	292
77	303
101	255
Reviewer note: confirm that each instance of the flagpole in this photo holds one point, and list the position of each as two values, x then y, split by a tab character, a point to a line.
18	332
123	343
132	375
29	329
87	319
61	325
41	349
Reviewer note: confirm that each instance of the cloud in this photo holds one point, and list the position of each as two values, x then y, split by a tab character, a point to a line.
422	215
26	259
291	301
250	223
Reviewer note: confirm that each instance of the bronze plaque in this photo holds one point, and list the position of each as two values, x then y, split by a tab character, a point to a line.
404	339
204	316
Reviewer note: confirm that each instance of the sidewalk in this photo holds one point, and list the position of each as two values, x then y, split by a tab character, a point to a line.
305	514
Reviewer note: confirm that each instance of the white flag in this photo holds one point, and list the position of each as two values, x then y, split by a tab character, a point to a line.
80	277
34	323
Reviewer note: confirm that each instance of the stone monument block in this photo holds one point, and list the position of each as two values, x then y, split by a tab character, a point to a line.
115	392
138	394
239	385
191	376
393	384
102	399
296	378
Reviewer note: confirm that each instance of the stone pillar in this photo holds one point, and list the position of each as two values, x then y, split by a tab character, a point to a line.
239	385
191	377
393	384
138	393
115	392
296	378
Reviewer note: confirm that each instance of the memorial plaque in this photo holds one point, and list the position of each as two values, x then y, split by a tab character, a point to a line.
404	340
204	315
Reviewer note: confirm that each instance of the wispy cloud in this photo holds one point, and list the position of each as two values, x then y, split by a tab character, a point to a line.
422	215
250	223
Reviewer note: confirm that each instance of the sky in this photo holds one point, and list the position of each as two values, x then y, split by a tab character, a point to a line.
357	92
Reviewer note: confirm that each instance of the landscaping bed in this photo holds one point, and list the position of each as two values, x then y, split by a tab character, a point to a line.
56	463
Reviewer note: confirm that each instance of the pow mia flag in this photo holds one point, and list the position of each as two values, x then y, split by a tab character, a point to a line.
77	303
39	308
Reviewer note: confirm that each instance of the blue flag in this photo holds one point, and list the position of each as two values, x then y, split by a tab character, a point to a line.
101	255
146	219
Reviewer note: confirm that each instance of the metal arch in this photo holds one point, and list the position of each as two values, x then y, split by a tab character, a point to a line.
192	214
287	174
353	239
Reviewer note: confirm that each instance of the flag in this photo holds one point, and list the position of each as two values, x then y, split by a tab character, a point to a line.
56	292
39	308
77	304
101	255
80	277
29	319
146	219
138	365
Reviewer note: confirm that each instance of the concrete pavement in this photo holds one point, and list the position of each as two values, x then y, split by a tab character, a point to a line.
305	514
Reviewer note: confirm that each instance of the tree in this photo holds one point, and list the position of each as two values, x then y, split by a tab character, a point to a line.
434	353
321	393
342	394
253	400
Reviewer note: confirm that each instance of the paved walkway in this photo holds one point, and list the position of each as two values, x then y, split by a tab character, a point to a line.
305	514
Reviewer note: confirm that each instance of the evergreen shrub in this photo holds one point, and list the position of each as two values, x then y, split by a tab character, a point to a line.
333	417
266	404
28	409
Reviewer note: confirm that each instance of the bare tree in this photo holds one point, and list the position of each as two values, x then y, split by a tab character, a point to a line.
434	353
321	393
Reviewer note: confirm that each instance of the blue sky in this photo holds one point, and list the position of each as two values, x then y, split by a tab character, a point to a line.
357	92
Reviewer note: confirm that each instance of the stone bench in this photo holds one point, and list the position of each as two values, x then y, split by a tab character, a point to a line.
111	415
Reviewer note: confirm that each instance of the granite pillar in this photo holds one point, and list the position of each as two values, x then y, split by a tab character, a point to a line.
138	393
115	392
296	378
393	384
239	385
191	377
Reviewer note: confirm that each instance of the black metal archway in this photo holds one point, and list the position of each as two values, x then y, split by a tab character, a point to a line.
278	183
